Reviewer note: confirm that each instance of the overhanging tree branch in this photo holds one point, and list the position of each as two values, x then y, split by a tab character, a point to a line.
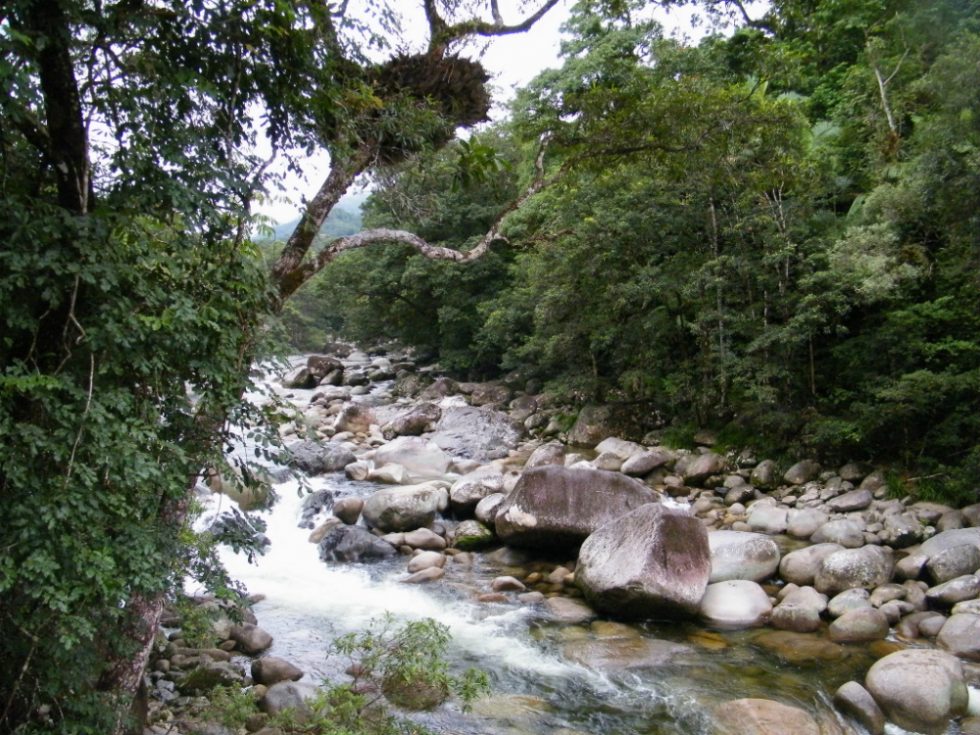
441	33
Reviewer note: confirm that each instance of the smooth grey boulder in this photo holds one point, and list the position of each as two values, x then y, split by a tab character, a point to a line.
618	447
960	635
867	567
742	555
355	418
856	702
486	509
764	517
802	472
703	466
472	535
422	417
287	695
271	670
804	522
647	461
250	639
860	625
423	459
952	562
424	538
735	604
353	544
315	458
550	453
800	566
568	610
405	508
426	560
799	611
765	475
848	600
651	562
919	689
348	510
850	501
556	508
955	590
471	488
843	531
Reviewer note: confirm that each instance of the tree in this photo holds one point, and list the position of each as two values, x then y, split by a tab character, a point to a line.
132	297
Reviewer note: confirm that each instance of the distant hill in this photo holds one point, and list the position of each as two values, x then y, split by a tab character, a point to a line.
341	221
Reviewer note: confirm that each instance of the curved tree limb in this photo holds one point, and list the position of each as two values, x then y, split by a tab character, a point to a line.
305	270
441	33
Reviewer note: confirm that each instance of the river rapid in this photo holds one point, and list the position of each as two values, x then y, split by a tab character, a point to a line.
546	677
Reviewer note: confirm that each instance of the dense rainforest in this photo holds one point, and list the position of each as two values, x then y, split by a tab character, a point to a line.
773	232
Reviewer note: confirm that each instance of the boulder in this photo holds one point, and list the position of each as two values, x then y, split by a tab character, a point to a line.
355	418
848	533
405	508
762	717
799	611
426	560
439	389
765	475
568	610
856	702
348	510
651	562
271	670
960	635
735	604
703	466
486	509
764	517
422	417
471	488
850	501
287	696
594	423
953	561
848	600
803	523
209	675
647	461
897	684
802	472
556	508
550	453
422	458
742	555
618	447
429	574
482	394
625	653
867	567
353	544
471	535
250	639
424	538
315	458
955	590
860	625
800	566
476	433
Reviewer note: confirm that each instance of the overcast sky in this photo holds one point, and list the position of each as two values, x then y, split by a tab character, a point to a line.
512	61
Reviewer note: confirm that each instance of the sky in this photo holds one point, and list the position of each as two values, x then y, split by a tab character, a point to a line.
512	61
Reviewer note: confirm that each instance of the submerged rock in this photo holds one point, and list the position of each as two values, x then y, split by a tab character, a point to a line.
762	717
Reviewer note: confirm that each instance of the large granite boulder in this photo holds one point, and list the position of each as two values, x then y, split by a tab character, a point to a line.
867	567
650	563
919	689
735	604
476	433
742	555
422	417
405	508
698	468
315	458
556	508
422	459
473	487
353	544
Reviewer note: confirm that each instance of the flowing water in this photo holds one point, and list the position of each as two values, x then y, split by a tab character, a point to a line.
603	677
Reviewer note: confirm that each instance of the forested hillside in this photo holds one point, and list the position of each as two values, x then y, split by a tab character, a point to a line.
775	233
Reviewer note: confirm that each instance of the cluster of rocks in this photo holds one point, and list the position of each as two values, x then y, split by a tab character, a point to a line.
181	676
647	531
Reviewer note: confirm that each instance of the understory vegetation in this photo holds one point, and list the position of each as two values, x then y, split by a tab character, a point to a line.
775	233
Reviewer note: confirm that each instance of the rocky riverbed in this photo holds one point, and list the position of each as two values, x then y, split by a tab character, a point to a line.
629	562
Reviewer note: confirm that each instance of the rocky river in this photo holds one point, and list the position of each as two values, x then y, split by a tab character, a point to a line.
610	586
